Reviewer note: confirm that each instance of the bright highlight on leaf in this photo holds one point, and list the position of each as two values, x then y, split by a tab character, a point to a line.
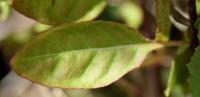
60	11
82	55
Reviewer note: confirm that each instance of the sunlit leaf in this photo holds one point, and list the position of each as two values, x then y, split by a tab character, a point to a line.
163	21
82	55
59	11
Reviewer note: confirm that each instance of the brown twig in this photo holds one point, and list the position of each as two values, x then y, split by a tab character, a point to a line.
154	75
193	17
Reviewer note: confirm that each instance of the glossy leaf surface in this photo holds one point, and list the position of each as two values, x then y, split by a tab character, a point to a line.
82	55
59	11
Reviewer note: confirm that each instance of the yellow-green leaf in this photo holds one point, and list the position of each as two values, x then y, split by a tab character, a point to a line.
60	11
82	55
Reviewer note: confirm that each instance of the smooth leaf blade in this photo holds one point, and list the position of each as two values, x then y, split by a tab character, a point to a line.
60	11
82	55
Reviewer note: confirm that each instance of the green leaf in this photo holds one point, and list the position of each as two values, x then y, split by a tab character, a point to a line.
60	11
194	69
82	55
179	73
162	19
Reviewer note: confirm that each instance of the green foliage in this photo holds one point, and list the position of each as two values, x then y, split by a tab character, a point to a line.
179	72
162	19
59	11
131	13
194	68
71	51
66	56
4	9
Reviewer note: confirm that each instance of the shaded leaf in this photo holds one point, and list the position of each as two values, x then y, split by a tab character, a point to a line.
179	73
162	19
194	68
82	55
59	11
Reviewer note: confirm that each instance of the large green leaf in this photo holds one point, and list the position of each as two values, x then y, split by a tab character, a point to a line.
59	11
82	55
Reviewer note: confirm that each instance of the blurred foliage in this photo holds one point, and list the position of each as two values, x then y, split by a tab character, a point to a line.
198	6
4	10
131	13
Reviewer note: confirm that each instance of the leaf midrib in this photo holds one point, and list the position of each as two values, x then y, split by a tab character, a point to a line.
88	49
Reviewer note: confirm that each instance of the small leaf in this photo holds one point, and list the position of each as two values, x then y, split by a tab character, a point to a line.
59	11
163	21
82	55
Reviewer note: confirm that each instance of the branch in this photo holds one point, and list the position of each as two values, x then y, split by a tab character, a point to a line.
193	18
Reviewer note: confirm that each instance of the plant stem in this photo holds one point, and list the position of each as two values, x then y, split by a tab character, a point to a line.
155	82
173	43
193	17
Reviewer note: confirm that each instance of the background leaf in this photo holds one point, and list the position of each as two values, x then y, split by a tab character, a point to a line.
179	73
82	55
59	11
162	19
131	13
